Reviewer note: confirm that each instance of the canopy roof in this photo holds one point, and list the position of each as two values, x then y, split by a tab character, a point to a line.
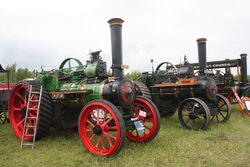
2	70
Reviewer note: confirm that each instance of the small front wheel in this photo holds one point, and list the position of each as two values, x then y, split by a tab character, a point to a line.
146	112
194	114
101	128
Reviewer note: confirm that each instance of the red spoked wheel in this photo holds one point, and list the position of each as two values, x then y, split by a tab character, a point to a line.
148	114
18	106
101	128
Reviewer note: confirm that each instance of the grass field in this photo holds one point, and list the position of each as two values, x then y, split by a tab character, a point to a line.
221	145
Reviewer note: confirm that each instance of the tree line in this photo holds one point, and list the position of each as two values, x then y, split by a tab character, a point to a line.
16	74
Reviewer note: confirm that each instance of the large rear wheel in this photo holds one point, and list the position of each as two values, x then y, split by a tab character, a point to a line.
17	110
194	114
101	128
146	113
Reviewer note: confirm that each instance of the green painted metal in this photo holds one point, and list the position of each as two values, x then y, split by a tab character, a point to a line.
91	69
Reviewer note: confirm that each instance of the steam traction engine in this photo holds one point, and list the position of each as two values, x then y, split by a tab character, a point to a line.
225	80
195	95
104	107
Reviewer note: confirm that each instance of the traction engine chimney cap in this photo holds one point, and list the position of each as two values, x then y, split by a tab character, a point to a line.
243	55
201	40
115	21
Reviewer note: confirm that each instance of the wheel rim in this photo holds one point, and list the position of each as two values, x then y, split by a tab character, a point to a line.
17	110
224	110
3	117
150	122
193	115
99	129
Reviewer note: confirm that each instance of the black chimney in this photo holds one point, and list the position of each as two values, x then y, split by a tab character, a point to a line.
243	67
116	45
202	55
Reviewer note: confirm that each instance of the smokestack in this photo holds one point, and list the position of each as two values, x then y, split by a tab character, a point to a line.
243	67
116	45
202	55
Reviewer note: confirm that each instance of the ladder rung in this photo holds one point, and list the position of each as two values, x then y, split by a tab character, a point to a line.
28	135
27	144
35	92
33	108
34	100
30	126
32	117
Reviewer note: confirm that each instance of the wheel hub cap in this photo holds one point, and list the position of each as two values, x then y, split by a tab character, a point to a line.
97	130
192	115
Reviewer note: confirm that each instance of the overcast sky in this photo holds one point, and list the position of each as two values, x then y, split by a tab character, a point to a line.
35	33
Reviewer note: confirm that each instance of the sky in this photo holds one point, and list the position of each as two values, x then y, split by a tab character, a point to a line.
43	33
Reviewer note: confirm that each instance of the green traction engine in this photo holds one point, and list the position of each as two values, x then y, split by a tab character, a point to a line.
193	94
104	107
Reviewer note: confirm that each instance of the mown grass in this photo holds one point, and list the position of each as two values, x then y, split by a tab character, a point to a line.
221	145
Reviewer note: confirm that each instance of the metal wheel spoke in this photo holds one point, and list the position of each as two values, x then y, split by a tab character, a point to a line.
92	137
21	98
103	147
113	127
105	116
222	115
98	117
147	120
89	122
17	109
222	105
149	113
93	115
26	131
109	141
107	134
19	123
89	130
147	127
144	107
98	141
136	110
105	123
217	118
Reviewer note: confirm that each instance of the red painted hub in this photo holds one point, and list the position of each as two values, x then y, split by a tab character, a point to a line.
150	121
99	129
17	109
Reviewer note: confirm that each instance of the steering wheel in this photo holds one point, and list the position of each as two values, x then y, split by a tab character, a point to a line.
170	68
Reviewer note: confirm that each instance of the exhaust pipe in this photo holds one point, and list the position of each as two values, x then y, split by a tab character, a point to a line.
202	55
116	46
243	67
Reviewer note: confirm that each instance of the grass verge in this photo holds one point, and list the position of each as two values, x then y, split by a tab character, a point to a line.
218	146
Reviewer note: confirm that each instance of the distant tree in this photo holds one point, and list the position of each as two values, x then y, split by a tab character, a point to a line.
16	75
12	74
134	75
24	73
